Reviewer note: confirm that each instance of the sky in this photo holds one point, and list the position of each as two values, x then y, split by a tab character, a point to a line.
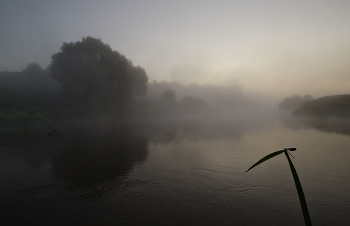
278	47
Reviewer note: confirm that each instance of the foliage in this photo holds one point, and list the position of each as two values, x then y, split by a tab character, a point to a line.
216	96
167	105
193	104
96	78
138	79
28	93
31	87
329	106
168	97
294	102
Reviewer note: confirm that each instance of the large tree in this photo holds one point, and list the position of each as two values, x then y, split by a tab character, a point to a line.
96	78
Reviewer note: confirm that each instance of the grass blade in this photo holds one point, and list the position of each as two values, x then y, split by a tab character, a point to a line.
301	195
267	157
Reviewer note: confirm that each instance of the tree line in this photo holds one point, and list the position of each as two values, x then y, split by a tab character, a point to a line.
84	78
337	106
88	78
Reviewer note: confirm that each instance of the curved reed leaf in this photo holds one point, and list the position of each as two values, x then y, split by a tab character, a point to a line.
267	157
290	149
301	195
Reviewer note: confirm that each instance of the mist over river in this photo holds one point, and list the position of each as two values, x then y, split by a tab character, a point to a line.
176	173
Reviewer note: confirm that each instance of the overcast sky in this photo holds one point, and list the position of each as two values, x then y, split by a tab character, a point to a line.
281	47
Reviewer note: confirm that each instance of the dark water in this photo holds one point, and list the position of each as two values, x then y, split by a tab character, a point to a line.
176	173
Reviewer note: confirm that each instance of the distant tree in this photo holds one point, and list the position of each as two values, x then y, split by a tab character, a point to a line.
294	102
329	106
96	78
168	97
30	87
32	69
307	98
192	104
35	79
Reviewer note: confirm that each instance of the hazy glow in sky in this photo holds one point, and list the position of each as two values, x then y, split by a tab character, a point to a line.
276	46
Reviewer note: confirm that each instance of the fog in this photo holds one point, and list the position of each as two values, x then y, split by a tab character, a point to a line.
88	79
150	112
271	47
34	93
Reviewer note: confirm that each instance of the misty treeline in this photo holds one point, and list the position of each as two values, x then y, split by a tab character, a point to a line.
28	92
337	106
88	78
176	99
84	78
292	103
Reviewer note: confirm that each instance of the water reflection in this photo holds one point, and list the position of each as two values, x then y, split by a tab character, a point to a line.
171	132
291	122
328	125
35	150
337	126
194	174
92	155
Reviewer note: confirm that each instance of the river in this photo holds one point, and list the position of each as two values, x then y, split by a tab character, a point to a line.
175	173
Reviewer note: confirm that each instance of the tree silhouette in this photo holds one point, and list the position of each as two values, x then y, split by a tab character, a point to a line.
294	102
168	97
96	78
193	104
30	87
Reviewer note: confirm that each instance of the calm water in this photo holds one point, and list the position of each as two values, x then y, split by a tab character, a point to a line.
176	173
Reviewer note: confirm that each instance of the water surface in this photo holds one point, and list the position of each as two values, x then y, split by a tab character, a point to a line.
175	173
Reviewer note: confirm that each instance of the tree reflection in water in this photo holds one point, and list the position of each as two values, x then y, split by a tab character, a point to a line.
324	124
329	125
90	155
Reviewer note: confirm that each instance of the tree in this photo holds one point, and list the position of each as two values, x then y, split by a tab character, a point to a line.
193	104
138	80
30	87
337	106
168	97
32	69
96	78
294	102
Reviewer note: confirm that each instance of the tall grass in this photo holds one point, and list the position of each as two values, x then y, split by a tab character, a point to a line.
301	195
